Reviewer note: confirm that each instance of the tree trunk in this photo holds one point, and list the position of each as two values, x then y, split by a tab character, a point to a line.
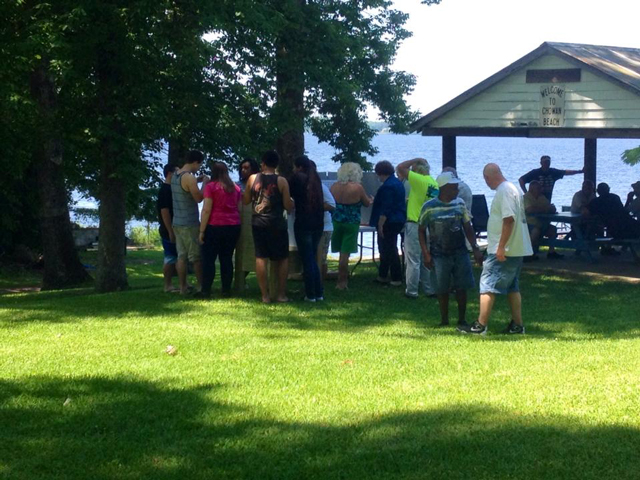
289	103
62	266
290	145
177	152
111	274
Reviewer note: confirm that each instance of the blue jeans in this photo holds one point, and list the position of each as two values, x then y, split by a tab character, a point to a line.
456	267
170	252
307	242
418	276
500	277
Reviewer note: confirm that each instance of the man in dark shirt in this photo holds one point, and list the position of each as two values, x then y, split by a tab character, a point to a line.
165	217
388	215
608	210
546	175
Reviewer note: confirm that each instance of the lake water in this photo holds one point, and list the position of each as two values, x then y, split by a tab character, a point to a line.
516	156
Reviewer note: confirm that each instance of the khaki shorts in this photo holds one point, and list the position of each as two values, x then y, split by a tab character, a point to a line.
323	246
187	242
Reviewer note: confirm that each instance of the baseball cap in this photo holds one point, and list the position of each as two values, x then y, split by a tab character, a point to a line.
446	178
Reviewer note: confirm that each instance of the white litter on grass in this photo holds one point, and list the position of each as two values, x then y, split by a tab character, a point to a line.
171	350
67	402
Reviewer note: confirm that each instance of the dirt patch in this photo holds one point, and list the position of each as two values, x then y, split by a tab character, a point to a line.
616	269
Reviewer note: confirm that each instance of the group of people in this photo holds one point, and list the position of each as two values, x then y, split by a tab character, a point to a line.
249	216
604	212
435	220
188	236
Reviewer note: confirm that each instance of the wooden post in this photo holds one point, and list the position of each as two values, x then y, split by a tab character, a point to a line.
448	151
590	158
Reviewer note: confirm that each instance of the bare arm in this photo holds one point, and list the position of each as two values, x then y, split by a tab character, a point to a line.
332	189
190	184
403	168
287	201
522	183
507	229
471	237
546	207
246	195
537	209
204	217
573	172
166	220
364	198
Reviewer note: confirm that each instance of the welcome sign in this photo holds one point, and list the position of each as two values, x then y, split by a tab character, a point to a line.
552	105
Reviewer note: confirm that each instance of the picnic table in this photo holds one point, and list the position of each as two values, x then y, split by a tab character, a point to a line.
362	246
578	243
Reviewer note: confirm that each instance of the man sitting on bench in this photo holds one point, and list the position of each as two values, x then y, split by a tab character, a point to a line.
608	211
536	202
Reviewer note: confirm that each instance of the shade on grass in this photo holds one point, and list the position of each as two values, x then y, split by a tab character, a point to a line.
361	386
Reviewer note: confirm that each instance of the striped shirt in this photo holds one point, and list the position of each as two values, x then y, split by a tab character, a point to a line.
185	208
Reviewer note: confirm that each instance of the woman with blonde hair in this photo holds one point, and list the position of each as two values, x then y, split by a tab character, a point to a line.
350	196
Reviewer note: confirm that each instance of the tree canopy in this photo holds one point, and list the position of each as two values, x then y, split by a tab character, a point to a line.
118	79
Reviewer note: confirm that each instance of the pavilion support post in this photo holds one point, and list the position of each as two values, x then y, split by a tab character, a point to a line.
448	151
590	158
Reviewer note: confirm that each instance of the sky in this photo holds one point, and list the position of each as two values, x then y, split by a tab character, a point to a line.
459	43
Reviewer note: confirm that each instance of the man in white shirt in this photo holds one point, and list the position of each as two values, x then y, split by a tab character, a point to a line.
508	242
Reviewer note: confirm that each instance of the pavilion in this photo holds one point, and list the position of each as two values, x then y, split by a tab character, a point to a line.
559	90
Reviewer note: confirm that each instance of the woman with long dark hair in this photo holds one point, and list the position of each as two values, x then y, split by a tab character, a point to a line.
306	191
219	228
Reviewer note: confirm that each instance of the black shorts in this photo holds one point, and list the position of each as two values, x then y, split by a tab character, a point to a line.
271	243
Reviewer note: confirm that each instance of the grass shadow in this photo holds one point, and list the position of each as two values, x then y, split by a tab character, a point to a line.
553	306
127	428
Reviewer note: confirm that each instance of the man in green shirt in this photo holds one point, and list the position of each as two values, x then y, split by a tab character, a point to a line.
423	188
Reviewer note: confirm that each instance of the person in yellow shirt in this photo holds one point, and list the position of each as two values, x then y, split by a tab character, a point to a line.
536	202
423	188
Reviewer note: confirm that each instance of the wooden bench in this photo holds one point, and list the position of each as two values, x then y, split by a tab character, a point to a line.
632	244
587	246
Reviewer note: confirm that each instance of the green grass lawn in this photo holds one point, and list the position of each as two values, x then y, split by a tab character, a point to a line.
361	386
